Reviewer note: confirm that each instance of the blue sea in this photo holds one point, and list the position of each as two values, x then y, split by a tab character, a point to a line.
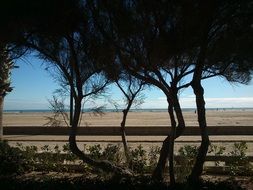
133	110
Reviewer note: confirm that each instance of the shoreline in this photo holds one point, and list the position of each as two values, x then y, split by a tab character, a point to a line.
15	111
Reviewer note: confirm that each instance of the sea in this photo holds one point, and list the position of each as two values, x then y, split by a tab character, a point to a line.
132	110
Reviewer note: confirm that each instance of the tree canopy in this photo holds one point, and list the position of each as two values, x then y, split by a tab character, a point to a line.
168	44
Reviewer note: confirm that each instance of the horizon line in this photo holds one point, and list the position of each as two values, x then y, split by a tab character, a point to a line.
43	109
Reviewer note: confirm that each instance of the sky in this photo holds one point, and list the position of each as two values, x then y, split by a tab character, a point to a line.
34	86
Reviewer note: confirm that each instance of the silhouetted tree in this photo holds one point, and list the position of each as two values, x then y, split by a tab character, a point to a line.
6	64
61	33
162	38
158	42
130	88
59	115
141	42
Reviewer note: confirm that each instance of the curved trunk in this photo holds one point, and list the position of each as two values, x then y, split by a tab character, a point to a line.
1	117
123	135
201	110
200	159
158	173
171	142
104	165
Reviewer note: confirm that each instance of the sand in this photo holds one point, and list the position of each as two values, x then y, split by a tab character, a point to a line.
214	118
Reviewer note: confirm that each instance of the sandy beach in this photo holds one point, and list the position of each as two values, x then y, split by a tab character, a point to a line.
214	118
221	118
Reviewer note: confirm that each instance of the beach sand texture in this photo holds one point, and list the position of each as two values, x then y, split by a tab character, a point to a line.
214	118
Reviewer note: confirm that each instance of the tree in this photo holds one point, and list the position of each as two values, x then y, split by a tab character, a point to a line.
65	37
6	64
130	88
10	35
142	46
158	42
223	50
85	81
163	37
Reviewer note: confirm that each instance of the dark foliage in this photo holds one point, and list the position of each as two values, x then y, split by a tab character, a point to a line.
11	159
137	183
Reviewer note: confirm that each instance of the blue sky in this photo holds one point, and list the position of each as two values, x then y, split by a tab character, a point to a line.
33	86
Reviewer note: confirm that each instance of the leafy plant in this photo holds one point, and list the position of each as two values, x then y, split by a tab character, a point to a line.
11	159
138	159
184	164
217	151
95	151
153	156
69	156
49	160
239	149
112	153
240	163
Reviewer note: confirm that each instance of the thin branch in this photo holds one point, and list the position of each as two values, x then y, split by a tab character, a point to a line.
96	90
122	90
62	68
184	86
160	77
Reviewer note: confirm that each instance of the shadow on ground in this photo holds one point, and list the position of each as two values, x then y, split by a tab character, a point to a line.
44	181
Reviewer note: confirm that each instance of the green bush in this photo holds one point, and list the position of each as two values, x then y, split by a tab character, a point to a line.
138	160
240	164
11	159
112	153
30	155
184	165
26	158
153	155
69	157
95	151
217	151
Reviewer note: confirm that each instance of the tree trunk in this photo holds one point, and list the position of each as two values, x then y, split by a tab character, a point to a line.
104	165
200	103
158	173
71	106
123	135
1	117
171	142
200	159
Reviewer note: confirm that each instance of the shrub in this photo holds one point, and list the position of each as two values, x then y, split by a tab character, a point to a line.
217	151
240	163
153	154
112	153
184	165
11	159
138	159
69	157
95	151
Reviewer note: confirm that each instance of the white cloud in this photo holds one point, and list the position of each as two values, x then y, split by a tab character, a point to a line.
155	103
162	98
189	102
191	96
229	102
22	104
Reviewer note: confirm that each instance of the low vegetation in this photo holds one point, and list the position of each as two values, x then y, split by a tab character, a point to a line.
20	160
89	45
